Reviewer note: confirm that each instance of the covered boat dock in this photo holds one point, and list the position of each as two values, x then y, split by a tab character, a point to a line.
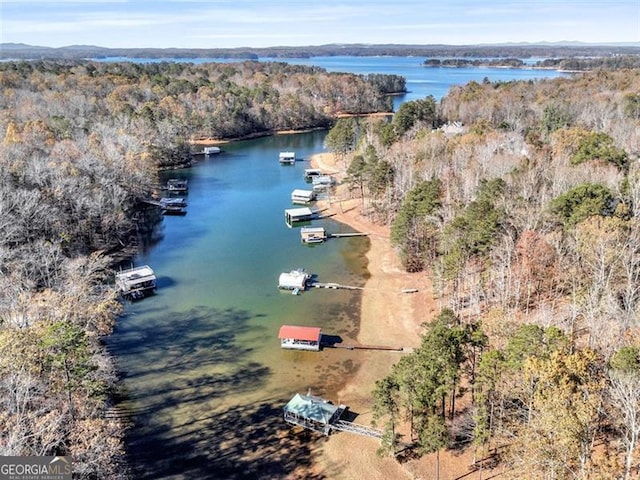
313	413
320	415
294	280
135	282
294	337
311	173
302	214
287	158
211	150
176	185
300	196
313	234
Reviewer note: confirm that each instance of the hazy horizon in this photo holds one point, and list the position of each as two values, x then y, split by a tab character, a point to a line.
567	43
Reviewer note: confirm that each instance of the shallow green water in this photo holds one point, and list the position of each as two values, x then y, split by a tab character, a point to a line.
204	374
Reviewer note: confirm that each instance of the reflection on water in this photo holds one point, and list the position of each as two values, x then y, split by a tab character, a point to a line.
204	376
203	373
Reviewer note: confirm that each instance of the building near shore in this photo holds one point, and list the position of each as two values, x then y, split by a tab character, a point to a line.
313	413
296	215
300	196
295	337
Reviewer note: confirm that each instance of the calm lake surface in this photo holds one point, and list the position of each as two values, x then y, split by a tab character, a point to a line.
203	373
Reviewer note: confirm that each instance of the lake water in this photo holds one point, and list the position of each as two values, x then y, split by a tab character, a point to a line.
421	81
203	373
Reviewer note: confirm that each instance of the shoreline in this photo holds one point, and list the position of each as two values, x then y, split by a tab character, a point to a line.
387	317
251	136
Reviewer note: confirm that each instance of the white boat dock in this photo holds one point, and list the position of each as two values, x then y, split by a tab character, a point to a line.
311	173
287	158
137	281
313	234
302	214
319	235
297	279
176	185
211	150
302	197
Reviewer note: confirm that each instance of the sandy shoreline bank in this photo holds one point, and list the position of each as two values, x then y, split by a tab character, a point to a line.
388	317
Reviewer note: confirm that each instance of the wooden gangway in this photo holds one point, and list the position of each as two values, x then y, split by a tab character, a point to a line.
335	286
344	426
340	286
351	234
369	347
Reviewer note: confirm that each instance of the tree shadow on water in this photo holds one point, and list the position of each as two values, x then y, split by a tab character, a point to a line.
186	384
250	441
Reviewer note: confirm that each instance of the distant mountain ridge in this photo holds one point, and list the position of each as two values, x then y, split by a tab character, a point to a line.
19	51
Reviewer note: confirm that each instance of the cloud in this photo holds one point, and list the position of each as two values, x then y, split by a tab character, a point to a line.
228	23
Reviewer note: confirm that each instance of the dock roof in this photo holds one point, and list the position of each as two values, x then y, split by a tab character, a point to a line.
137	274
299	212
311	334
301	193
311	407
311	230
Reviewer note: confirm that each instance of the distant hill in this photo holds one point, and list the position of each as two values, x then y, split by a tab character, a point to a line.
20	51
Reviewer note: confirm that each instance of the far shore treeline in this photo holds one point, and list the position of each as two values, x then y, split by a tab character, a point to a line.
573	64
520	199
526	50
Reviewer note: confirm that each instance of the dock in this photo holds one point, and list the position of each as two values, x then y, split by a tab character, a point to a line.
297	215
135	282
320	415
369	347
335	286
176	185
287	158
169	206
211	150
345	235
319	235
358	429
313	234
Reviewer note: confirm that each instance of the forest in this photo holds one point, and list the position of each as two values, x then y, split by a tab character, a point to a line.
573	64
82	145
521	200
11	51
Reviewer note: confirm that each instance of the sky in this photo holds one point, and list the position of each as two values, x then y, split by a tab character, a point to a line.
265	23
